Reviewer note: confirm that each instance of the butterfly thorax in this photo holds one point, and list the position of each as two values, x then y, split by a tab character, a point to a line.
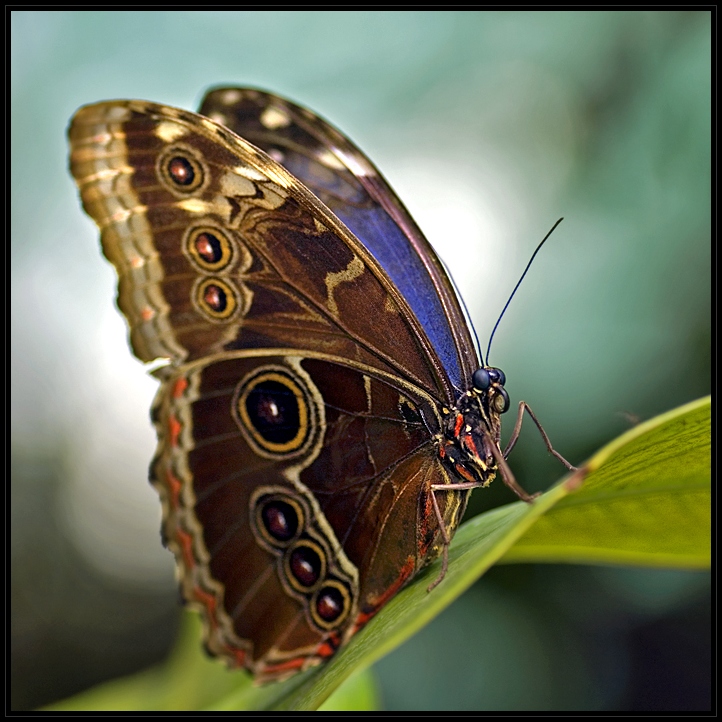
472	428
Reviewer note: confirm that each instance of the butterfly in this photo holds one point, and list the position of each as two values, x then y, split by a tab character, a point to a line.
323	412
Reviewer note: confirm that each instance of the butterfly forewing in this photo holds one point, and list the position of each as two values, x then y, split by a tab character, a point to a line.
292	269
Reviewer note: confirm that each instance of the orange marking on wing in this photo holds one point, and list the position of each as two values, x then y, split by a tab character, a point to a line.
174	486
179	387
209	601
325	650
296	663
406	571
174	428
239	654
186	544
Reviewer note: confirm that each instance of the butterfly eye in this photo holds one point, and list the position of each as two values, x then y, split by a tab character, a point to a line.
497	376
481	379
501	401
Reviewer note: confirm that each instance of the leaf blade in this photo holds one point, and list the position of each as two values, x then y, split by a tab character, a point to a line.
646	500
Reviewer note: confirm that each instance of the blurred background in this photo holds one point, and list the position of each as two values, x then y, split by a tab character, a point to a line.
490	126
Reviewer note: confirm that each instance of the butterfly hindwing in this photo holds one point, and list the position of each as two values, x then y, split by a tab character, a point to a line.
288	482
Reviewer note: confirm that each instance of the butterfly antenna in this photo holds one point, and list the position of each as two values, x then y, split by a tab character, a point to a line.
518	283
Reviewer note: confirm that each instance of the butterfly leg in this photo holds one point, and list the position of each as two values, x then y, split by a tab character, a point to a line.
523	406
507	476
444	536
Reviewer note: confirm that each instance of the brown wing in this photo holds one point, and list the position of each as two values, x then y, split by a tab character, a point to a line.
217	248
297	501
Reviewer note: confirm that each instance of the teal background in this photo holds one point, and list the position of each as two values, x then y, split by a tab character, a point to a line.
490	126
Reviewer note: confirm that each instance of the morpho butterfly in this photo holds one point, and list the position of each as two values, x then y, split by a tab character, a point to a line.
323	413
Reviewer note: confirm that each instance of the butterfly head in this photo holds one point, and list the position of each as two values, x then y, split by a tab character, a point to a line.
488	385
474	426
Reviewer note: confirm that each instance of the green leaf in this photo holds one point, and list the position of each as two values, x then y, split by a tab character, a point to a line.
358	693
643	499
646	500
